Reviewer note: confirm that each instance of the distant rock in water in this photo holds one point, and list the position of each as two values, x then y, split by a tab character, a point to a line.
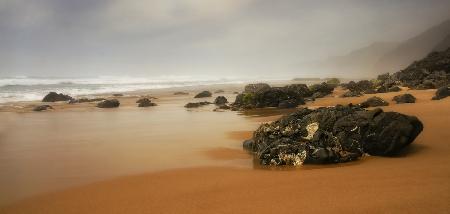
404	98
332	135
181	93
145	102
220	100
203	94
118	95
42	108
431	72
55	97
196	105
113	103
262	95
219	91
373	102
442	93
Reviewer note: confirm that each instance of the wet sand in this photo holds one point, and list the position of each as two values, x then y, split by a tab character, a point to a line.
417	181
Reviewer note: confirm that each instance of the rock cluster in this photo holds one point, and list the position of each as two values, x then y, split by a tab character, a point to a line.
145	102
263	95
332	135
203	94
55	97
404	98
113	103
431	72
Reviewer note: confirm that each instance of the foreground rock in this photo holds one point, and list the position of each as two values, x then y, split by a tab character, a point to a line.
196	105
332	135
404	98
203	94
42	108
262	95
373	102
220	100
145	102
113	103
55	97
442	93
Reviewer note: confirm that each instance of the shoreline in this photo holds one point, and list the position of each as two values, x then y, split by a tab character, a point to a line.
415	178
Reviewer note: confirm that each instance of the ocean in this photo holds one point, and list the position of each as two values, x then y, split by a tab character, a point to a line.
24	88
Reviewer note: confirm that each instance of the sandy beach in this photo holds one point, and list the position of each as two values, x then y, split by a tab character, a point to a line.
134	160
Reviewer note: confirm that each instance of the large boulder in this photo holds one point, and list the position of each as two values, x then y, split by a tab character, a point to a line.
332	135
255	88
145	102
323	89
220	100
203	94
442	93
373	102
404	98
113	103
55	97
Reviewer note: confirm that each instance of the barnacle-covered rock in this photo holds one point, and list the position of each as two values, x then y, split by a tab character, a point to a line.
332	135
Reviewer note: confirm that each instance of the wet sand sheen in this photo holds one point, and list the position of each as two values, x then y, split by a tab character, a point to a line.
416	181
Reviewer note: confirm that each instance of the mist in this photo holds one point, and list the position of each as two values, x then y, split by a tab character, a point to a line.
233	38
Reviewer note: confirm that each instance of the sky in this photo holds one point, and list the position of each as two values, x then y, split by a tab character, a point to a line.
75	38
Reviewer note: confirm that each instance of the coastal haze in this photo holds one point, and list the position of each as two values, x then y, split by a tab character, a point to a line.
233	106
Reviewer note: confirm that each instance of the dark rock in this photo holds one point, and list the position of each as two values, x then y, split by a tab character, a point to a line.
196	105
404	98
113	103
180	93
42	108
219	91
222	107
145	102
235	92
332	135
54	97
442	93
118	95
220	100
373	102
360	86
203	94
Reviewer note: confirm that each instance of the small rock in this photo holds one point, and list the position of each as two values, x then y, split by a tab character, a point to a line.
181	93
442	93
404	98
219	91
394	89
42	108
145	102
220	100
113	103
196	105
292	103
118	95
373	102
203	94
352	94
